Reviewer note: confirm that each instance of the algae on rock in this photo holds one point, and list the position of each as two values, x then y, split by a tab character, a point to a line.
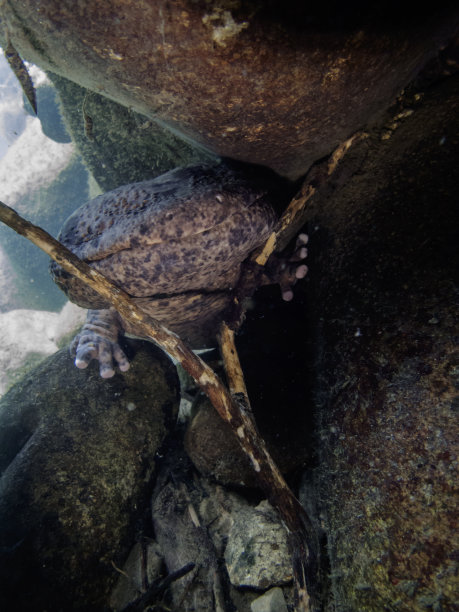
118	145
76	459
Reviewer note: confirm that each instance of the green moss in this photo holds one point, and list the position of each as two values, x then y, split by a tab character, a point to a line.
31	361
121	146
67	338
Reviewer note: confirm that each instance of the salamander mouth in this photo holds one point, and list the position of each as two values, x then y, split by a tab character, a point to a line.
190	293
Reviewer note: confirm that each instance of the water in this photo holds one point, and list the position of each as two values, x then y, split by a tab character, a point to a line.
37	175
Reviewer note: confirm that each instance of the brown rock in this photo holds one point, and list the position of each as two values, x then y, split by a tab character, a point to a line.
123	147
215	450
270	83
384	290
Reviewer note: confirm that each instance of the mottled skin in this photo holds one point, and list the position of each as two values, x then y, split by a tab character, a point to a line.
174	243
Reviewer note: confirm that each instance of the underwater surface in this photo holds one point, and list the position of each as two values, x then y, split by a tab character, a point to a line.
121	487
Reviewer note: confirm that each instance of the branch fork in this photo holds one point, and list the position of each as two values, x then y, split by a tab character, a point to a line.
232	405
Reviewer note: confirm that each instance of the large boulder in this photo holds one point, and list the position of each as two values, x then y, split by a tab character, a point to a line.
76	460
272	83
383	298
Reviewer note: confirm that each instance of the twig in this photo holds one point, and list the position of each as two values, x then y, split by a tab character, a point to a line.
292	218
120	571
302	542
291	221
21	73
232	365
157	588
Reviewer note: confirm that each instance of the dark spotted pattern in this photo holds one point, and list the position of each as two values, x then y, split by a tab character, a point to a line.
177	242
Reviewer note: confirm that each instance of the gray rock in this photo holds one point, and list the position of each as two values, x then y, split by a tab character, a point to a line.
184	539
49	113
193	518
271	601
256	554
76	458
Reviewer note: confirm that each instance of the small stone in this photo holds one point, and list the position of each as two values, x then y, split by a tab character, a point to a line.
271	601
215	451
142	566
256	554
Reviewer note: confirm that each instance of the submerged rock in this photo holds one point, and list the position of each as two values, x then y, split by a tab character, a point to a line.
273	83
216	452
76	459
230	541
271	601
118	145
384	297
257	554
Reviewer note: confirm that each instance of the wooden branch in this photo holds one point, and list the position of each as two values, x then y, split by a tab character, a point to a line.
303	543
232	365
21	73
301	540
241	423
293	217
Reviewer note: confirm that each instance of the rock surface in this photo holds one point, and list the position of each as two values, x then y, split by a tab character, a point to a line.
76	459
216	453
271	601
256	553
184	538
214	449
194	521
275	84
384	296
118	145
49	113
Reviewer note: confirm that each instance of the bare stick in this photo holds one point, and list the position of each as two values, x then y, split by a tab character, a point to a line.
236	382
301	539
292	218
21	73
